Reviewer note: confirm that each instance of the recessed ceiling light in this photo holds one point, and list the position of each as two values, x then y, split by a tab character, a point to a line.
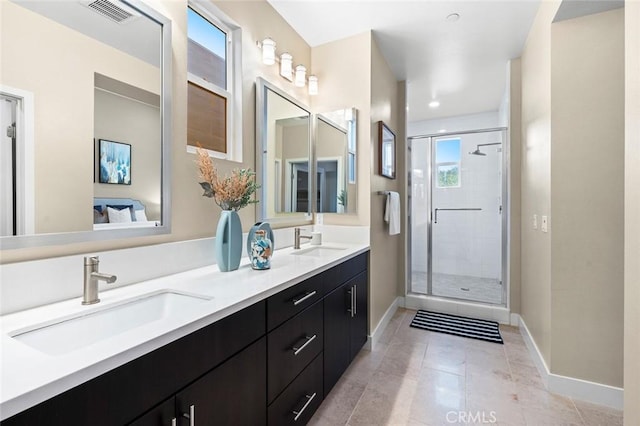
442	131
434	104
453	17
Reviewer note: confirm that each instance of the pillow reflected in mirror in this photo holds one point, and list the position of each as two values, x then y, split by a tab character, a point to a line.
141	215
119	216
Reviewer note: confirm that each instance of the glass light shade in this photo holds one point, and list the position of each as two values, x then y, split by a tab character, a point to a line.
313	85
301	76
286	66
268	51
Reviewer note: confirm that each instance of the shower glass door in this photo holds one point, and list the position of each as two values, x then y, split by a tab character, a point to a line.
457	196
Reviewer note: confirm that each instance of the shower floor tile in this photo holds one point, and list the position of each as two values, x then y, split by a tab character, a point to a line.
477	289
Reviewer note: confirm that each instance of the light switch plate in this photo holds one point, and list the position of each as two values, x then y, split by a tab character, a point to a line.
535	222
544	224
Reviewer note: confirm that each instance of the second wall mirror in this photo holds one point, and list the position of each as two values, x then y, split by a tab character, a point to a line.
283	156
335	156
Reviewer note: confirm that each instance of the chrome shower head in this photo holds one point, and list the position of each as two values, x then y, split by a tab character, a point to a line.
478	152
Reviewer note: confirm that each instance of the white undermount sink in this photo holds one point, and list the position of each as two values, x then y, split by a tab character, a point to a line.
318	251
67	334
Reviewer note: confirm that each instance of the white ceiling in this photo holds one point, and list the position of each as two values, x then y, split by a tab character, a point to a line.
462	64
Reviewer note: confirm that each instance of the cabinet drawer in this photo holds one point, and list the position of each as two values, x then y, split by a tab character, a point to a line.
301	399
289	302
347	270
291	347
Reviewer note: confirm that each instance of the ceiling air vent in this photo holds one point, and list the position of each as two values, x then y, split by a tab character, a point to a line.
115	12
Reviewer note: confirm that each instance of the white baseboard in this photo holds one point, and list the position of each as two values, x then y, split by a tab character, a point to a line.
596	393
514	320
374	337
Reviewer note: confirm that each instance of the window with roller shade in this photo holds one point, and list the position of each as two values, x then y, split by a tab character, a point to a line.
210	70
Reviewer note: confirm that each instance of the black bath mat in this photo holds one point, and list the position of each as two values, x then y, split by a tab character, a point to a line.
458	326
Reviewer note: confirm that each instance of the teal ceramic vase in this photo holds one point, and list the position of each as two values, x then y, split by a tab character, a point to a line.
228	243
261	251
260	226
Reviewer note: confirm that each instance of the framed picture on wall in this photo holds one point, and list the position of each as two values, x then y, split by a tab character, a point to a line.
386	151
114	162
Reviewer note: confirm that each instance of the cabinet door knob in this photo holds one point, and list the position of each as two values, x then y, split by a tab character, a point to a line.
304	407
174	422
307	295
297	349
191	416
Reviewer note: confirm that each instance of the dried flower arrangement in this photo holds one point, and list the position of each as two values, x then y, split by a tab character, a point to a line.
231	192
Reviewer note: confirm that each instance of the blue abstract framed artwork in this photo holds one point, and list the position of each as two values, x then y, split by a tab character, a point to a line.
114	162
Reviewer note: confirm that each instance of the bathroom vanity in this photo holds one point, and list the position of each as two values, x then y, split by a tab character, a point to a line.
270	361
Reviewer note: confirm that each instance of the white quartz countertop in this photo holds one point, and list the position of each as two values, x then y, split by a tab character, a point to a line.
29	376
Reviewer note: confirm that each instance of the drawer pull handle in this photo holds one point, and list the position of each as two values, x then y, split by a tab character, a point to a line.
304	407
191	416
296	302
351	308
355	300
297	350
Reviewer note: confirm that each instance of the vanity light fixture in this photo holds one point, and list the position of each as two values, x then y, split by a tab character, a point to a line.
313	85
286	66
268	51
301	76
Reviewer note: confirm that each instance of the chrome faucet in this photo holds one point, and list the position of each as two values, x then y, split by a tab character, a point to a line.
297	236
91	278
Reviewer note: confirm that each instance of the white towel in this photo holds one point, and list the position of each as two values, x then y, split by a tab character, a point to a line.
392	212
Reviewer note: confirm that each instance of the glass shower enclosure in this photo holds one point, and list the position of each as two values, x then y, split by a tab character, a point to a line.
458	224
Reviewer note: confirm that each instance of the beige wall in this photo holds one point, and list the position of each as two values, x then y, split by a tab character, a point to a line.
535	178
515	155
344	71
387	252
571	277
632	213
587	185
59	70
121	119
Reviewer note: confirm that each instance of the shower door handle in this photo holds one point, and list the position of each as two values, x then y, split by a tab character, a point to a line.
435	216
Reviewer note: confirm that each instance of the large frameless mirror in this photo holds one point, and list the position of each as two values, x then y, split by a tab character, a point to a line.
283	157
85	107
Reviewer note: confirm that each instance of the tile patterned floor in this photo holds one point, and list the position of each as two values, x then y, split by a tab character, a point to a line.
420	378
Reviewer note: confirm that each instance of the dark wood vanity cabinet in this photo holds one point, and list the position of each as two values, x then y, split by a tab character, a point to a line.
231	394
345	327
271	363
